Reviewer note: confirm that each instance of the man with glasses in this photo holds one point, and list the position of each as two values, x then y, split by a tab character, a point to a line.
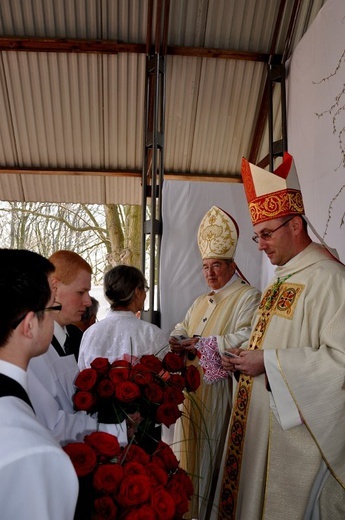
221	318
52	375
37	478
286	443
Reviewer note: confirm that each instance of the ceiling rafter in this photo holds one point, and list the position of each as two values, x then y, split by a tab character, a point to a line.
207	177
114	47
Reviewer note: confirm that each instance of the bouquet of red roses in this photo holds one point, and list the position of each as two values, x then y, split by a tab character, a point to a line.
127	483
149	388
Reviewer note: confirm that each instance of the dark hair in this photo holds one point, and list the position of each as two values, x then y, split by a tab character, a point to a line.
90	311
24	287
120	283
291	216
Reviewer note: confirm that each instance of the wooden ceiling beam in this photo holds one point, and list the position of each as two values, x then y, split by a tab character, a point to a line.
224	54
201	177
114	47
77	173
68	45
181	176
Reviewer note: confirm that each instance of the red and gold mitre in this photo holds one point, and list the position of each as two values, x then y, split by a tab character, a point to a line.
272	195
218	234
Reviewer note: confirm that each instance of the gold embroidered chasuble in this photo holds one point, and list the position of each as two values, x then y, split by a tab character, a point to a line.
196	440
268	471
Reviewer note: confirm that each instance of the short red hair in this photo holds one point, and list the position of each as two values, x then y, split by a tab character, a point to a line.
67	265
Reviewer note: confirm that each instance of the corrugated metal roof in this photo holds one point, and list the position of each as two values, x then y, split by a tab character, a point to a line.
81	113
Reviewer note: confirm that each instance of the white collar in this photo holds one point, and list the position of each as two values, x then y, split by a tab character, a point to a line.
60	333
14	372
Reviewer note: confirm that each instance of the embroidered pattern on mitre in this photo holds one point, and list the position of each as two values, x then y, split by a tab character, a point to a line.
217	235
277	205
272	195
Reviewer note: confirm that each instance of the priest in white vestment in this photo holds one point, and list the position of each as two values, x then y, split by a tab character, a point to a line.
285	454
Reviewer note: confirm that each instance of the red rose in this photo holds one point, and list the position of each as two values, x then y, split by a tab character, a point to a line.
173	362
86	379
104	443
82	456
173	395
135	453
119	374
101	365
144	512
152	362
165	456
181	503
181	489
181	482
105	388
134	468
105	509
127	392
154	393
107	478
192	376
134	490
177	381
141	375
167	414
163	504
158	474
84	401
121	363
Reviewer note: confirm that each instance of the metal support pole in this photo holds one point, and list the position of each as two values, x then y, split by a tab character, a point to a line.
276	75
153	165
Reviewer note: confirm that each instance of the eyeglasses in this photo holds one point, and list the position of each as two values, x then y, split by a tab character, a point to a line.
267	235
55	308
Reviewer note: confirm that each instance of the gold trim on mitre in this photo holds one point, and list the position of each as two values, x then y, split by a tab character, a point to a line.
272	195
217	235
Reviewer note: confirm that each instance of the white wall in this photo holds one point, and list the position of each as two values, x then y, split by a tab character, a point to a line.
316	121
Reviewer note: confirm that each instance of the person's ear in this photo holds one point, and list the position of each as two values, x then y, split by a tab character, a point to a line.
137	292
54	284
29	322
297	224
